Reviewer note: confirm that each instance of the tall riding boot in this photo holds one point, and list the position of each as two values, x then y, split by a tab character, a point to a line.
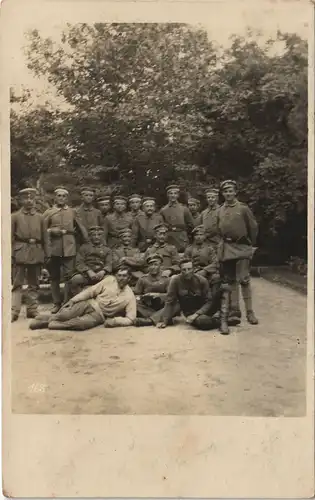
235	310
225	306
247	297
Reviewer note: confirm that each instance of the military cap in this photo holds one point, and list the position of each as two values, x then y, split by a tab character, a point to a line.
154	257
148	200
173	187
135	197
103	197
227	183
198	229
193	200
28	191
162	225
61	190
95	229
120	198
184	260
211	190
87	189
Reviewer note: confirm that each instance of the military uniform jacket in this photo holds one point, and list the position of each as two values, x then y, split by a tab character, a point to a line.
89	216
209	220
143	230
64	218
27	231
204	257
95	258
133	257
238	229
134	215
148	284
191	295
117	223
180	223
169	254
197	219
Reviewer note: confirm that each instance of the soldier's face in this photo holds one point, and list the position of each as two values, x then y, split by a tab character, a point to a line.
229	193
149	207
199	238
126	239
88	198
212	199
135	205
120	206
96	237
172	195
154	267
193	207
28	201
122	278
161	236
104	206
187	270
61	199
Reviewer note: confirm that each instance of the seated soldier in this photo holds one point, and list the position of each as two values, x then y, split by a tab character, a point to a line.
204	258
110	302
128	255
150	292
144	224
170	264
93	262
189	293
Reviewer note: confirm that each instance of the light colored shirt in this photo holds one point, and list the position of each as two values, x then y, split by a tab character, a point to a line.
111	301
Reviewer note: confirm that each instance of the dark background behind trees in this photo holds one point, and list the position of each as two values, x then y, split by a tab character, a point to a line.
147	104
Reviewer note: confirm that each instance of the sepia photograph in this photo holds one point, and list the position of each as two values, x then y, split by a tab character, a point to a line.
159	221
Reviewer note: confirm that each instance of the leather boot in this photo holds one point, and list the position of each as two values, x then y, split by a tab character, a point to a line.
251	318
225	303
143	322
55	309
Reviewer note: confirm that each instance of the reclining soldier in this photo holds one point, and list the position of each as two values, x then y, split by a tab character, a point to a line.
150	292
93	262
110	302
189	293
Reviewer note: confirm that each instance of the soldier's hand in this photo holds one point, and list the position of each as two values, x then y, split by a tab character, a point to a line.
91	274
190	319
161	325
109	323
100	275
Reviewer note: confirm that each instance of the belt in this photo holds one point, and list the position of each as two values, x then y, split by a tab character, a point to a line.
28	240
53	235
243	240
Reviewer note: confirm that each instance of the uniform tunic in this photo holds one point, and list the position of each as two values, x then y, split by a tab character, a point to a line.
134	215
191	295
148	305
63	245
203	256
150	284
116	223
209	220
180	222
143	230
197	219
95	258
132	255
89	216
168	252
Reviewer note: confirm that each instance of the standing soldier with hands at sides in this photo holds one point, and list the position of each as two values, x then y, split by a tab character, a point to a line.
178	218
28	253
238	230
134	202
118	221
209	216
61	228
104	205
86	212
144	224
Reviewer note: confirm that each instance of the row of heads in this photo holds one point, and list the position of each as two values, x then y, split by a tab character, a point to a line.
60	190
161	227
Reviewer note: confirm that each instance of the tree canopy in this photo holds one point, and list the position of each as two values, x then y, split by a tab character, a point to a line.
146	104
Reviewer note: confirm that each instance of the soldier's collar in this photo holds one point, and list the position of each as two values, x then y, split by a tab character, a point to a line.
29	212
88	209
173	204
231	204
62	208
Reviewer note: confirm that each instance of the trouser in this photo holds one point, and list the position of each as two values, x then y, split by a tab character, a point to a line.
151	310
56	265
236	273
77	282
31	273
205	322
79	316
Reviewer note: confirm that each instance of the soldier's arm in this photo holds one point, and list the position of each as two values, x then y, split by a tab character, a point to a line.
80	227
46	226
81	265
175	260
130	313
213	266
136	261
43	238
189	220
139	288
135	232
91	292
206	294
108	267
251	224
170	301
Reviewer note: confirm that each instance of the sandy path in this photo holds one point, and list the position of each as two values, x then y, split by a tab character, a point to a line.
256	371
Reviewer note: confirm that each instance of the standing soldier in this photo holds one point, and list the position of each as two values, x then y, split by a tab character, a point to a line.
60	225
210	214
170	263
104	205
88	215
28	253
144	224
134	202
118	221
178	218
194	205
238	228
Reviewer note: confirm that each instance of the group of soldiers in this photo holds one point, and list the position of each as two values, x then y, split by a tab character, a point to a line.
126	263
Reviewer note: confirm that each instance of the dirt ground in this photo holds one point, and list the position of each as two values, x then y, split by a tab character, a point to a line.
256	371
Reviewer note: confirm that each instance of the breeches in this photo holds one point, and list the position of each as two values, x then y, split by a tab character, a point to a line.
31	273
235	271
58	265
80	316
